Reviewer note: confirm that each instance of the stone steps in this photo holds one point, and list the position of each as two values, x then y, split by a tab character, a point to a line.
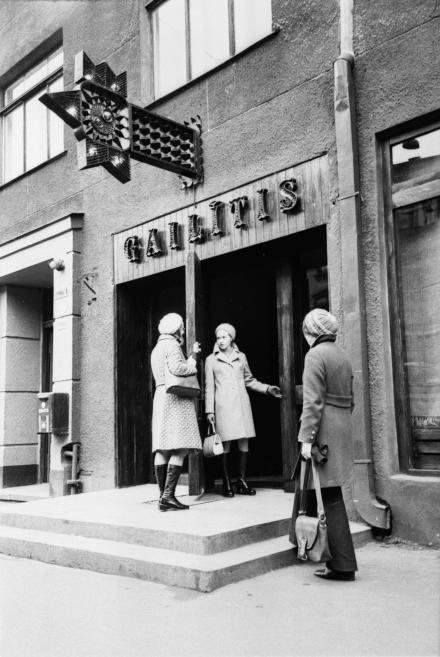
202	572
121	532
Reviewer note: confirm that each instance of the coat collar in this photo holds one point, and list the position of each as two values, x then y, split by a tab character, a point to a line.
323	338
166	336
220	356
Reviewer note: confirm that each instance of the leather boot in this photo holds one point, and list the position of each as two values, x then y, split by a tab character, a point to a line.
161	476
168	501
227	488
242	487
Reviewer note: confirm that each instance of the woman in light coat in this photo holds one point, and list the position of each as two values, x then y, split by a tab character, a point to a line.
326	420
227	403
175	427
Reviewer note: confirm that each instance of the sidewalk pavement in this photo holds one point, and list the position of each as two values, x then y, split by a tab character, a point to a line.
392	609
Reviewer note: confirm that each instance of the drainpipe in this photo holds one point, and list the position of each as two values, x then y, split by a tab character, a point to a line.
375	513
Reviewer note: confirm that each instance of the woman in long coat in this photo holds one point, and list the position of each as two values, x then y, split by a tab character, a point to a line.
175	427
326	420
227	403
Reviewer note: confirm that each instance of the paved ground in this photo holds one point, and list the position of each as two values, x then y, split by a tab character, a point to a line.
392	609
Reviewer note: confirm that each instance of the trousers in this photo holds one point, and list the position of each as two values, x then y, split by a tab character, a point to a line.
338	530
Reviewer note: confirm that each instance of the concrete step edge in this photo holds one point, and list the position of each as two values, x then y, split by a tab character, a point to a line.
148	536
199	572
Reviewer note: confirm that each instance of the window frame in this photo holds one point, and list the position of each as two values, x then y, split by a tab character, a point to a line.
45	83
400	387
151	5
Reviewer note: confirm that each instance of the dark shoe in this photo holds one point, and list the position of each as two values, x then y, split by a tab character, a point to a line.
161	476
168	502
227	488
243	488
171	504
326	573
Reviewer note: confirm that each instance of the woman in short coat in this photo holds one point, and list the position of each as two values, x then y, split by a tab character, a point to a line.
174	427
326	420
227	403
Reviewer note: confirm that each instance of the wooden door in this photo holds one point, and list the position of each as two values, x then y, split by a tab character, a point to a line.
195	332
286	358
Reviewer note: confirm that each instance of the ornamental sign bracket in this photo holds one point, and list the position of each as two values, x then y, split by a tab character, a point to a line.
110	131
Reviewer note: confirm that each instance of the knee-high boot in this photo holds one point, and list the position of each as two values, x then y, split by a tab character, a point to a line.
161	475
242	486
227	488
168	501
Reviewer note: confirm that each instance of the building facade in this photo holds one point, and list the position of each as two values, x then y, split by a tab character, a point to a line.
320	147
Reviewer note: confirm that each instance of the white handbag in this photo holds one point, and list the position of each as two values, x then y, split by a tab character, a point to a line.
212	445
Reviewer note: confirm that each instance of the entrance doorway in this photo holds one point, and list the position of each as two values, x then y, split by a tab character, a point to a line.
264	291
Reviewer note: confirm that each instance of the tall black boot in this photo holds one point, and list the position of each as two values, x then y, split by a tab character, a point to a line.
161	476
227	488
241	485
168	502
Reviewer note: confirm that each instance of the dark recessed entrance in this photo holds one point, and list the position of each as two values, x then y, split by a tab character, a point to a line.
265	292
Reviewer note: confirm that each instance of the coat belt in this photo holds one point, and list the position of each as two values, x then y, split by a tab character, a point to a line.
343	401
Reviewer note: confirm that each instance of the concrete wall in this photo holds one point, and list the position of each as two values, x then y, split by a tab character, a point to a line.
397	79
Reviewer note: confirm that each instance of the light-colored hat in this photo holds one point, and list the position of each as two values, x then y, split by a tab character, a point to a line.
228	328
320	322
170	324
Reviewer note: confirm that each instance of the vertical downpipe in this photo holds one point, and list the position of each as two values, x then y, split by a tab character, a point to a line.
369	508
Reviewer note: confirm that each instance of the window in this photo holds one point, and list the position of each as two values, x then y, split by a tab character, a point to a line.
415	241
31	133
191	37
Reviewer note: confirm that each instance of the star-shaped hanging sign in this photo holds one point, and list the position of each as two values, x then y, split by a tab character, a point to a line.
110	130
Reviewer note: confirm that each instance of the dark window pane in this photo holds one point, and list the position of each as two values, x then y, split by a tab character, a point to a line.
417	244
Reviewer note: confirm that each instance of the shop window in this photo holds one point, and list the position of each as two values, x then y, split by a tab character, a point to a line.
31	133
191	37
414	241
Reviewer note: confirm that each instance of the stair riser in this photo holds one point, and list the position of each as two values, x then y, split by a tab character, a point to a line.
171	575
167	540
198	580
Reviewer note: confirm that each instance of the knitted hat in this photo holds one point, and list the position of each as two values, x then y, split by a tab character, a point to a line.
320	322
170	324
228	328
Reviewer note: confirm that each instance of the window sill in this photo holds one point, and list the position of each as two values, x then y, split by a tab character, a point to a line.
33	170
420	476
219	67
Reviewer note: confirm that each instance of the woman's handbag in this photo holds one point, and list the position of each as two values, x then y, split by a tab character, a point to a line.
182	386
310	532
212	445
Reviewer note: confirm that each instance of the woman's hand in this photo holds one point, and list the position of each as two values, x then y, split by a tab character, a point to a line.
306	450
275	392
196	348
210	418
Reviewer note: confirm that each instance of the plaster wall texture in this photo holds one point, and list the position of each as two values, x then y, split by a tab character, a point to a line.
396	46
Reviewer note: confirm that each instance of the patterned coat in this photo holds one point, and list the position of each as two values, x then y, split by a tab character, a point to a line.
174	418
226	395
327	406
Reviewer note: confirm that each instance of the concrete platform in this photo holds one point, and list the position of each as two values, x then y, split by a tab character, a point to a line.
121	531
